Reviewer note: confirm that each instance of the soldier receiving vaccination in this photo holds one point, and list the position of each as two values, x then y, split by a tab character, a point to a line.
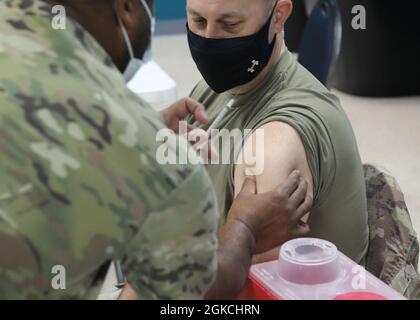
80	183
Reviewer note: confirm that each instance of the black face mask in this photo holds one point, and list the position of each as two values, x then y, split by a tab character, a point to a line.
229	63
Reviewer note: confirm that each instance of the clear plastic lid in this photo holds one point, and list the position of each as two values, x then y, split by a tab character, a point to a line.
308	261
309	251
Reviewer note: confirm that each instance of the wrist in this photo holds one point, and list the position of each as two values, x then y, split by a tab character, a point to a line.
244	231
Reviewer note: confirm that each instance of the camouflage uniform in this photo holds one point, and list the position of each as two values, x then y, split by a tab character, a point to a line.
80	184
393	253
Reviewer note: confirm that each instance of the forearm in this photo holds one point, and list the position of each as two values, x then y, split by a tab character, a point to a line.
236	246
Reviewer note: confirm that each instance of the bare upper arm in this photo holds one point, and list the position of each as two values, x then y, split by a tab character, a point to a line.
277	150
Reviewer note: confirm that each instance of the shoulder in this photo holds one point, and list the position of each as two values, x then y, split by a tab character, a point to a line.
303	93
271	153
275	143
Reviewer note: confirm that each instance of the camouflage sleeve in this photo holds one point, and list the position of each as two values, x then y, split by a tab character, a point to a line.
80	182
173	255
393	254
19	270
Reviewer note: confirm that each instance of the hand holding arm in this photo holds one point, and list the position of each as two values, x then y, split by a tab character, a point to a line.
252	217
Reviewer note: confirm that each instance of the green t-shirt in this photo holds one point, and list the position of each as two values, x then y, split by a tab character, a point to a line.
289	93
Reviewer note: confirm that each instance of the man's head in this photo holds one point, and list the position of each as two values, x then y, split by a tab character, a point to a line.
236	18
234	43
100	18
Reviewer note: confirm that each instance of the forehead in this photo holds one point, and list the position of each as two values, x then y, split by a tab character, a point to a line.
225	8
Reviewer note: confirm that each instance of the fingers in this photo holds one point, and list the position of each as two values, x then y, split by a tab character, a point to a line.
197	136
292	182
271	255
128	293
212	153
194	108
249	187
302	230
180	110
201	143
190	127
304	208
299	195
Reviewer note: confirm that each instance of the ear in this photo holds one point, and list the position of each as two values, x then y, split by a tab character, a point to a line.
282	12
126	11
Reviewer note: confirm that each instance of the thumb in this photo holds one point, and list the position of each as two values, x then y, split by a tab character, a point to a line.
249	187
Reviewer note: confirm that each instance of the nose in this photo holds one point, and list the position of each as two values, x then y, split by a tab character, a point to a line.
212	31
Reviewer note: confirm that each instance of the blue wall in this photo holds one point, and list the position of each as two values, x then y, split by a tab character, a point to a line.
170	9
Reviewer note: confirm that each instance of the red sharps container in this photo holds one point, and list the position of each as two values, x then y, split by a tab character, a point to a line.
313	269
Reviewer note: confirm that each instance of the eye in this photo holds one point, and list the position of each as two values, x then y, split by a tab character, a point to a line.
200	22
231	25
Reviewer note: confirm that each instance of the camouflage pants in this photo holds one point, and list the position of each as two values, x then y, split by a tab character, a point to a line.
393	247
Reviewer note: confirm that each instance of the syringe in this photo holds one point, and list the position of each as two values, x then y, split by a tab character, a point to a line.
229	106
220	117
